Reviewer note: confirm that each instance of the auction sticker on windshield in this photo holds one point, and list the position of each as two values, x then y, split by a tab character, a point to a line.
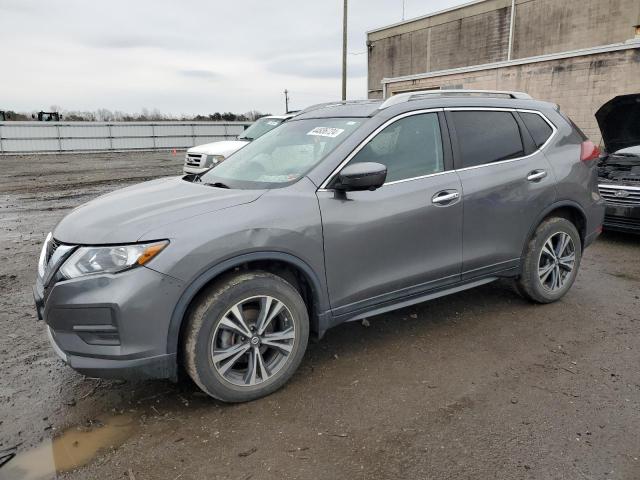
326	132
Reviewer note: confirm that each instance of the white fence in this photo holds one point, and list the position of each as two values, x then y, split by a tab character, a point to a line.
62	137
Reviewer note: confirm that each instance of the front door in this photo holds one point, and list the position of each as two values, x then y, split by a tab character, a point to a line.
404	237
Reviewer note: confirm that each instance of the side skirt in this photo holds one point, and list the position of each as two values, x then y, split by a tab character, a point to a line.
333	320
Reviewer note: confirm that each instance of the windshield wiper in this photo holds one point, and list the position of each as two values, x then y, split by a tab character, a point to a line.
217	185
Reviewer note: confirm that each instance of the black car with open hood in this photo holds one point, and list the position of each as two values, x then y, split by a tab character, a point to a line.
619	167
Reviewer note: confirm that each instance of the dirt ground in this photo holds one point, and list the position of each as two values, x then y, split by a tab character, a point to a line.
477	385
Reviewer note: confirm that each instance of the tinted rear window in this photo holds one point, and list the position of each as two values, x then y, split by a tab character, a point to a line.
539	129
487	137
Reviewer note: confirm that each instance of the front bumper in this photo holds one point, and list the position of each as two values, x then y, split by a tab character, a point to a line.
112	326
622	218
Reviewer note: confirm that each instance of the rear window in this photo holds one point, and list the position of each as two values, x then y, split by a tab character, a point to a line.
539	129
487	137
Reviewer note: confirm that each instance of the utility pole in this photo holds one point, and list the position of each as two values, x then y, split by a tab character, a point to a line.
344	52
286	101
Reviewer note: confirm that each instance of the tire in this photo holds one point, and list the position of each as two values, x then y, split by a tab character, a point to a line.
540	267
215	336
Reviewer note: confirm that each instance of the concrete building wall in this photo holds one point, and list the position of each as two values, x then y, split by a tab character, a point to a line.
478	33
552	26
580	85
455	44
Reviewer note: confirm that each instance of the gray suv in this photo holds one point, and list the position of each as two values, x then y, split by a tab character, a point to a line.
346	211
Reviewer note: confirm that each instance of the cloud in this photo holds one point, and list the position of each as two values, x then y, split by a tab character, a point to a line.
306	66
130	41
325	66
124	55
200	74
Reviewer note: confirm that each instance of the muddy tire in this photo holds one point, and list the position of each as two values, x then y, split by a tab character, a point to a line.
245	336
551	261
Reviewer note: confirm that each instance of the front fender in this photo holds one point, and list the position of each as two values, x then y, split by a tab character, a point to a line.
213	271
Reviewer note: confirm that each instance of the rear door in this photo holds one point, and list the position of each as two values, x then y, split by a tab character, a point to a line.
507	182
404	237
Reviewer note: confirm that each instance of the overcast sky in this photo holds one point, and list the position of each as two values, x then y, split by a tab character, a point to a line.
186	57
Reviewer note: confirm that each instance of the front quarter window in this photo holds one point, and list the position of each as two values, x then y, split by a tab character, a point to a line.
282	155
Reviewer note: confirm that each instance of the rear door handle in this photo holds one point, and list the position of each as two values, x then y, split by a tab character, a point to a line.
445	197
536	175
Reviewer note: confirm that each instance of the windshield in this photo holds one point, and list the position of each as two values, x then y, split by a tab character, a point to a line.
283	155
259	128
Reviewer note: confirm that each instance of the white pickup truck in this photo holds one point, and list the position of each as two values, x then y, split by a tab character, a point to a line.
201	158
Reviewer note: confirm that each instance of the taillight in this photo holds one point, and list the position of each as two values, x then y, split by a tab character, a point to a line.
589	151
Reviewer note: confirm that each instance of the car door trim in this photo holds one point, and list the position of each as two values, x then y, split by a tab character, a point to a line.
327	181
512	110
361	145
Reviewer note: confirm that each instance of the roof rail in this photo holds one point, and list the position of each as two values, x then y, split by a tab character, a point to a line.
337	103
408	96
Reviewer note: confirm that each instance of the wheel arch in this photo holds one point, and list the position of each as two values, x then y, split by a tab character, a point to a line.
288	266
568	209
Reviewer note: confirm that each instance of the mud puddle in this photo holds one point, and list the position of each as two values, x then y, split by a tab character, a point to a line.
72	449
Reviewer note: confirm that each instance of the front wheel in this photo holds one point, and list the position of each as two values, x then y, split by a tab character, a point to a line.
551	261
245	336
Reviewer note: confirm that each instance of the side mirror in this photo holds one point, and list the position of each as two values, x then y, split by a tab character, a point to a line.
361	176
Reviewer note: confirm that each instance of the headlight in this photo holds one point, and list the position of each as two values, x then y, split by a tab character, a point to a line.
112	259
213	160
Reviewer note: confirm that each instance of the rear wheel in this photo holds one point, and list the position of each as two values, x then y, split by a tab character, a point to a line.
245	336
551	261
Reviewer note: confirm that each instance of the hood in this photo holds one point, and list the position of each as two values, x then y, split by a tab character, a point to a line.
629	151
619	122
125	215
224	148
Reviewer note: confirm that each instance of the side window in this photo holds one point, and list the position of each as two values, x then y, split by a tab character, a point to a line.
410	147
487	137
539	129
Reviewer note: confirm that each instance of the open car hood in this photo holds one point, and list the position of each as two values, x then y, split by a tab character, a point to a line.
619	122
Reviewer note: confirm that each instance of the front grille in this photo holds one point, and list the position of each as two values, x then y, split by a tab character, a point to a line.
194	159
52	246
55	255
619	195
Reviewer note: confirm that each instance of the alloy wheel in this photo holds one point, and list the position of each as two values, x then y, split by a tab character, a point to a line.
557	261
253	341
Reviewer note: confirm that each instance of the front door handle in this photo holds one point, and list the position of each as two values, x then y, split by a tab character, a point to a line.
445	197
536	175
